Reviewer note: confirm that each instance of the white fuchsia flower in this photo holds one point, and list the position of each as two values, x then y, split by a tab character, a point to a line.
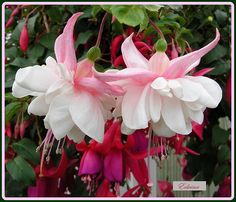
159	91
74	101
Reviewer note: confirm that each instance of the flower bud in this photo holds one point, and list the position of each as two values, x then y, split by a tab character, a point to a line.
10	22
94	53
210	18
8	130
16	130
22	130
15	12
24	38
161	45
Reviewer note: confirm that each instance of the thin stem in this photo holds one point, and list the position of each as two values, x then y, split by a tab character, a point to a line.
156	28
149	156
101	29
30	13
45	21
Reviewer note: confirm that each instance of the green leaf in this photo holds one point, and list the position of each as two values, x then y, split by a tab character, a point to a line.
221	171
36	51
95	10
7	140
21	170
26	149
217	53
223	153
11	109
221	16
9	97
153	8
9	77
54	13
23	62
83	38
47	40
220	67
129	15
219	136
11	52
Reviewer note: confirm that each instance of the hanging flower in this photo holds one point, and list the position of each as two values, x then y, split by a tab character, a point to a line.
159	90
74	101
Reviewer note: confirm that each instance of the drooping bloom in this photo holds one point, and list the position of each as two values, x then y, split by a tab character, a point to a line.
159	90
74	101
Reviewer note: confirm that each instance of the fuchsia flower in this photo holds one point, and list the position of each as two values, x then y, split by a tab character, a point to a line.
166	188
74	101
159	90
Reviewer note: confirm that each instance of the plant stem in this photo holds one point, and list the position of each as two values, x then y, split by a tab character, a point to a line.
157	29
101	29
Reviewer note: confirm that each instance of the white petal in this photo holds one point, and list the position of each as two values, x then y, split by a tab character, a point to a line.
195	106
176	88
131	55
161	129
173	116
211	93
35	78
155	105
160	84
19	92
76	135
135	109
38	106
194	115
60	119
191	90
125	130
87	115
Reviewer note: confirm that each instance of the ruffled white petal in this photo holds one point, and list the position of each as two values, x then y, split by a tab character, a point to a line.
174	117
38	106
76	135
19	92
125	130
211	93
155	105
87	115
35	78
135	109
161	129
59	117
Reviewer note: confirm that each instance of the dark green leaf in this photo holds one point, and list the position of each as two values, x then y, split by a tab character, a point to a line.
221	16
11	109
9	77
154	8
220	67
217	53
55	13
21	170
95	10
47	40
26	149
223	153
83	38
11	52
221	171
36	51
23	62
219	136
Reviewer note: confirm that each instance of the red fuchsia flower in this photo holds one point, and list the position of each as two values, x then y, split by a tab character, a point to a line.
104	190
24	38
159	89
228	90
224	188
177	141
140	190
117	59
10	22
166	188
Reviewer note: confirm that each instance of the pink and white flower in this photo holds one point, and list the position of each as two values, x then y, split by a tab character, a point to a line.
159	91
74	101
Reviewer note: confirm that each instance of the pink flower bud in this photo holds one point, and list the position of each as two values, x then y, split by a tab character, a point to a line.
16	130
10	22
174	52
24	38
15	12
8	130
22	130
